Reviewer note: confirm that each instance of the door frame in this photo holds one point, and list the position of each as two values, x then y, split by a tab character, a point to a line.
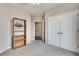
43	23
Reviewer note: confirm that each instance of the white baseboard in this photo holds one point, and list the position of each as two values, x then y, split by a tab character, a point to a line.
4	50
10	47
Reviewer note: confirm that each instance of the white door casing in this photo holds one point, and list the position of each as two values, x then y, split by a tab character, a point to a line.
78	31
43	31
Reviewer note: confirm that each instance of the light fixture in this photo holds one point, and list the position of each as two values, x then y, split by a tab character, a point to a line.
36	4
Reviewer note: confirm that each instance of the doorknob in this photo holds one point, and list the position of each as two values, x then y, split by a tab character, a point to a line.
59	32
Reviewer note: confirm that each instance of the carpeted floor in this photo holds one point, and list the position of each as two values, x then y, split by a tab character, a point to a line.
38	48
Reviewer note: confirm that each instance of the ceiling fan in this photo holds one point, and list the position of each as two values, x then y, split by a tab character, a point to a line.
36	4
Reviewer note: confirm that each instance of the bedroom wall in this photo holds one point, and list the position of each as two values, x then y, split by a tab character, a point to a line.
62	9
6	15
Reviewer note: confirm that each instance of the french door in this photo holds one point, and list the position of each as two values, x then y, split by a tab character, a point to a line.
61	32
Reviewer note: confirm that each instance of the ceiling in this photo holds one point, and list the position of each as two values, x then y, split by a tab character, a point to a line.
35	9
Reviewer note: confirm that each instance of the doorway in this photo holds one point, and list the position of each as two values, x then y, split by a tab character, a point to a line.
38	30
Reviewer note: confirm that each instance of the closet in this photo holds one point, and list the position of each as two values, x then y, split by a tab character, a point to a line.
62	30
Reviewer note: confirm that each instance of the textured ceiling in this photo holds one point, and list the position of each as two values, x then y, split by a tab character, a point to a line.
35	9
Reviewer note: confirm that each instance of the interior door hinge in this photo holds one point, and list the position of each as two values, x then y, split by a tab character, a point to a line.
77	46
77	14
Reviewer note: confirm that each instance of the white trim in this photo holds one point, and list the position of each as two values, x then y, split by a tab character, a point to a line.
4	50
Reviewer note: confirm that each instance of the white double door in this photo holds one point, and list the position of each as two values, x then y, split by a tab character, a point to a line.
61	32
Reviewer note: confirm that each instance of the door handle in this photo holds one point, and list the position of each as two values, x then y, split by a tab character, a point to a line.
60	33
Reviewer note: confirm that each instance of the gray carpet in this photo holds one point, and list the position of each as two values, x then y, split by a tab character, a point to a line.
38	48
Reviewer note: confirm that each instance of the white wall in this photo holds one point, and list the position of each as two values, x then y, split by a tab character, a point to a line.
6	15
62	8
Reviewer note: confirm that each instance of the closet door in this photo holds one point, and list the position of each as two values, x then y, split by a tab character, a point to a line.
53	31
67	29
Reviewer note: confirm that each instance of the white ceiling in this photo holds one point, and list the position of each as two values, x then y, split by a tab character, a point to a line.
35	10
